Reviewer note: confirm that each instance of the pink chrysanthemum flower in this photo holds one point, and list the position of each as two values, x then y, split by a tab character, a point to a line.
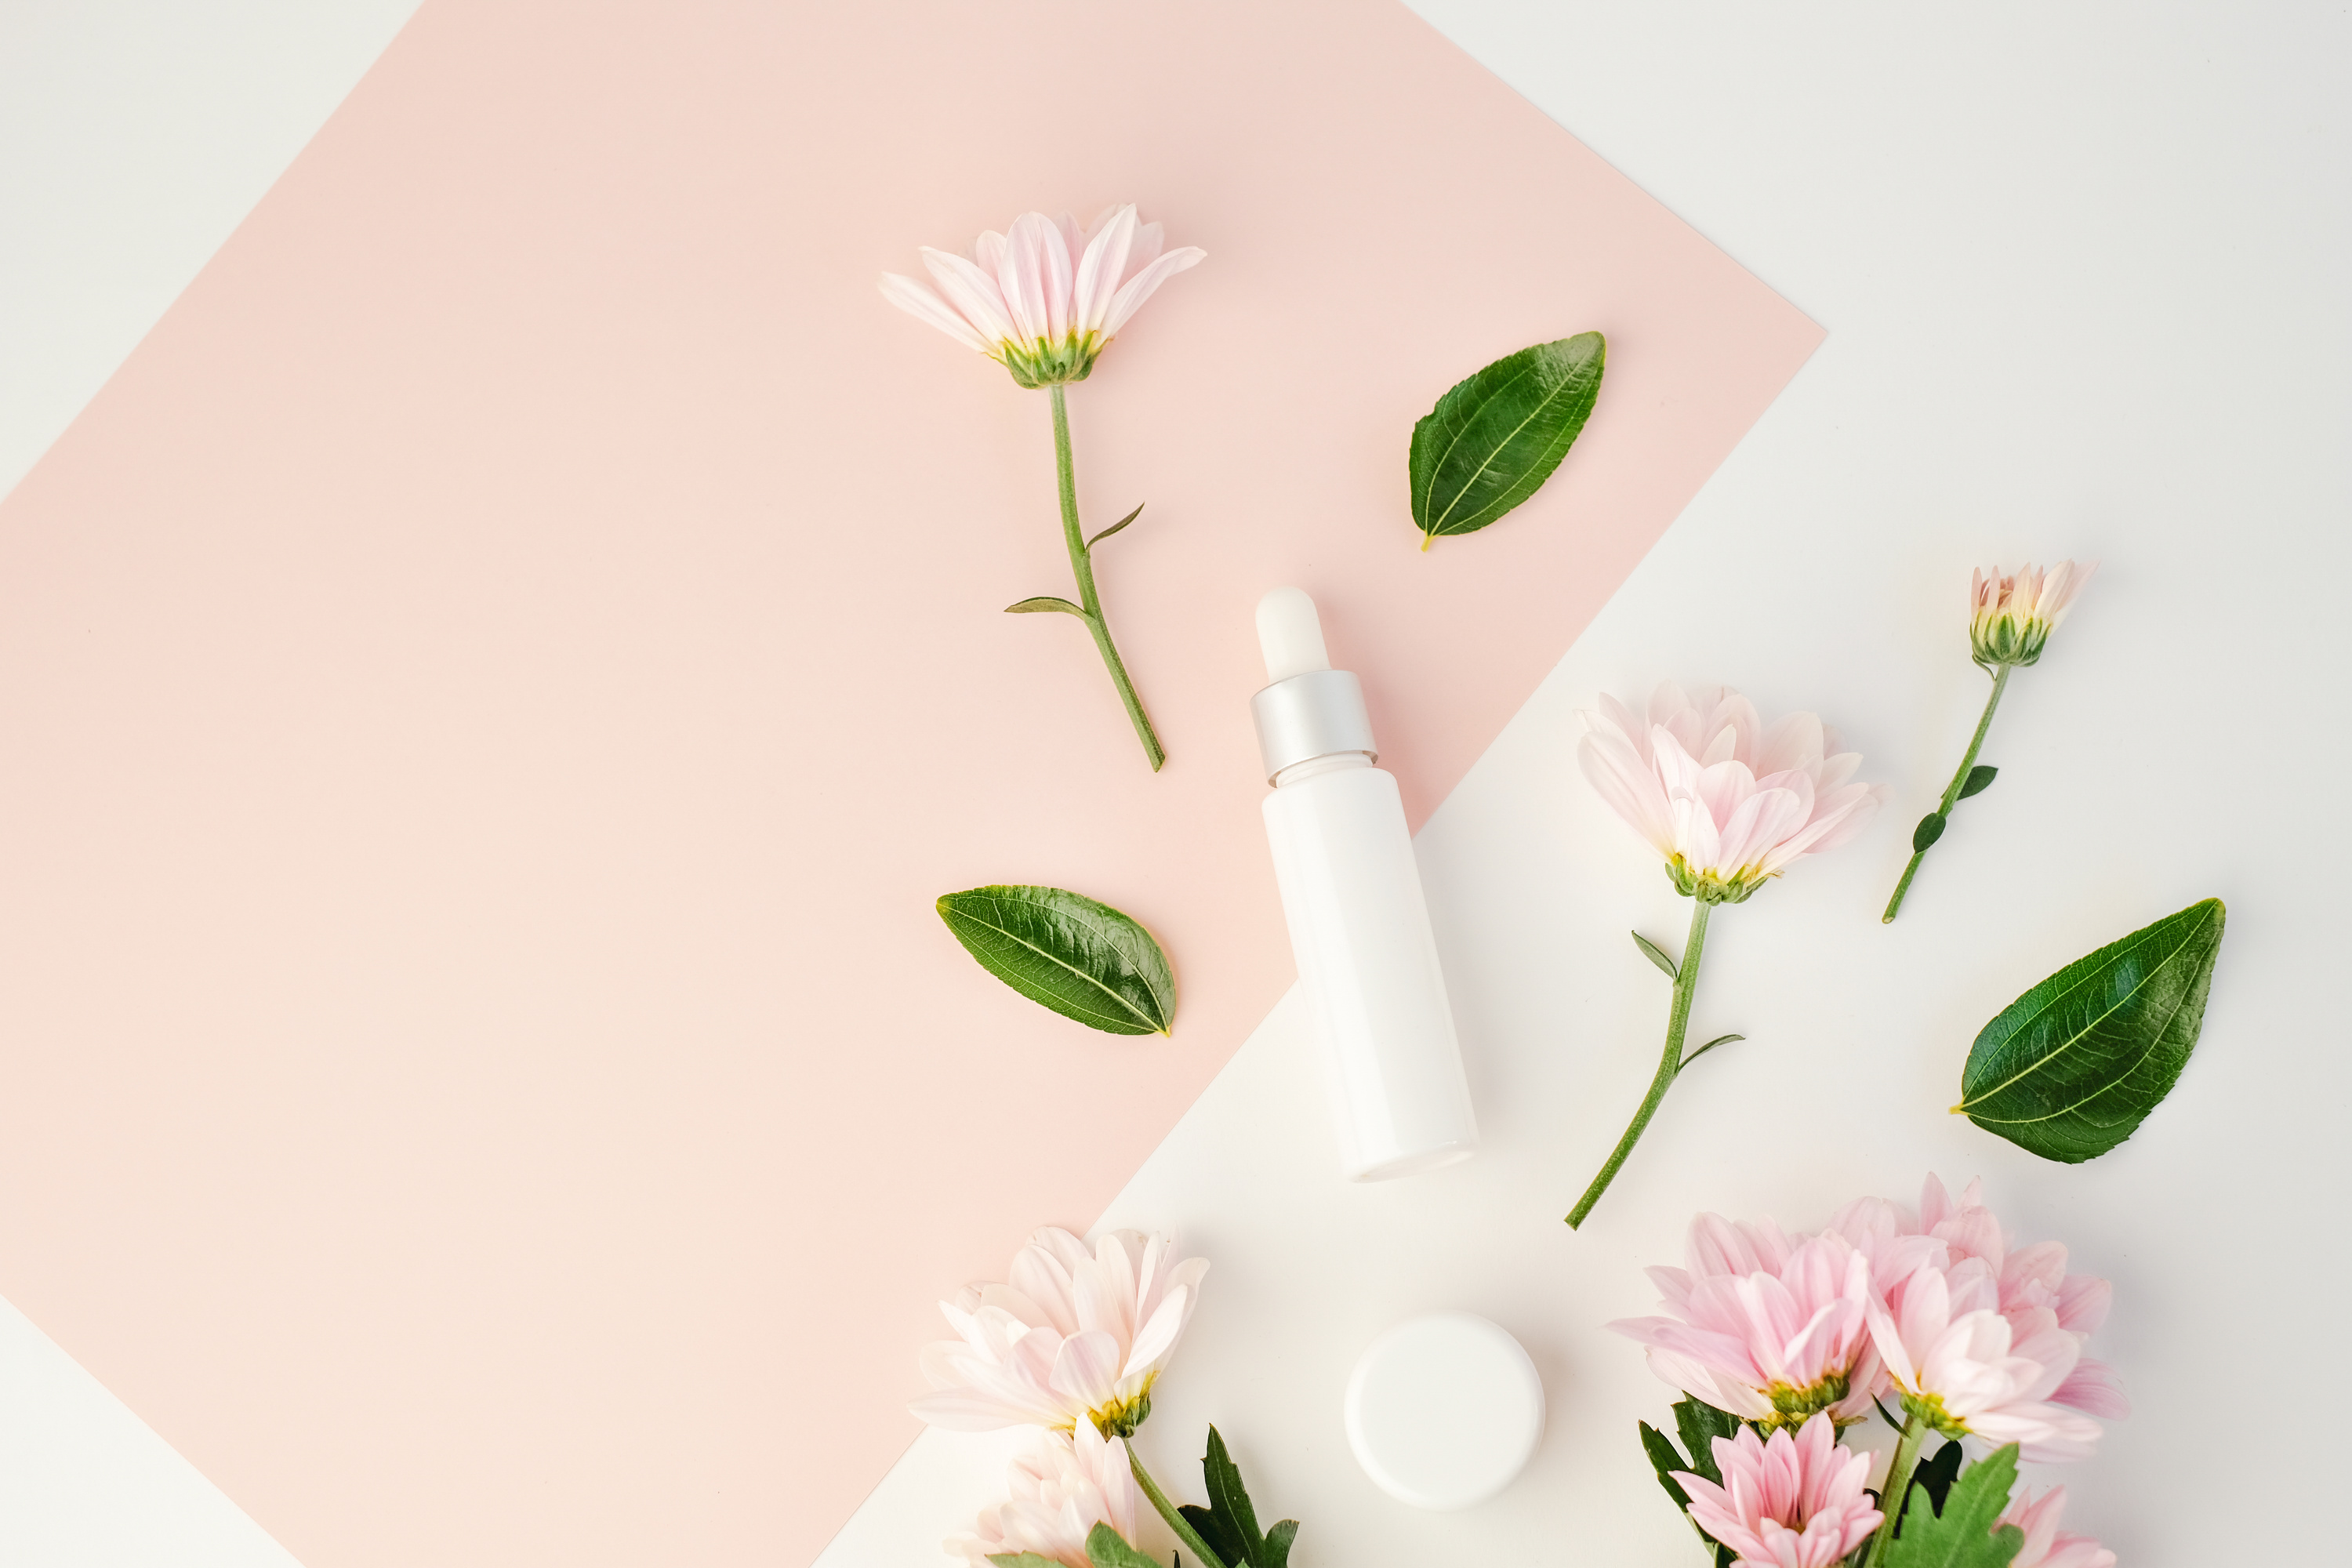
2012	617
1062	1488
2030	1279
1077	1338
1962	1366
1728	802
2045	1546
1791	1502
1770	1328
1044	299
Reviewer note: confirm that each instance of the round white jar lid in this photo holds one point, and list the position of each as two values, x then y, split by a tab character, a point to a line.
1444	1411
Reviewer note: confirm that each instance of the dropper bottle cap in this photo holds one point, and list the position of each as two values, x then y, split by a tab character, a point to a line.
1308	710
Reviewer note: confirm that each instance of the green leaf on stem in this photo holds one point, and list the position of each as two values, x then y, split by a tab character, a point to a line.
1980	779
1042	603
1657	956
1930	829
2071	1068
1229	1524
1699	1426
1114	528
1064	951
1105	1548
1962	1534
1718	1040
1493	438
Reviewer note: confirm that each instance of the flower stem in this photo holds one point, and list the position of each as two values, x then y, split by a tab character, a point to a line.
1952	793
1899	1485
1082	567
1669	1064
1176	1521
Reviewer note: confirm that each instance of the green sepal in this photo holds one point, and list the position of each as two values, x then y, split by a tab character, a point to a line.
1024	1560
1930	829
1980	779
1657	956
2071	1068
1962	1534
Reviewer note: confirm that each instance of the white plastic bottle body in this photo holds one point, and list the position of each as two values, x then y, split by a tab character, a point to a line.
1368	963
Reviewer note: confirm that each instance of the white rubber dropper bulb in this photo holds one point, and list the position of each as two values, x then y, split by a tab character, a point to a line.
1290	635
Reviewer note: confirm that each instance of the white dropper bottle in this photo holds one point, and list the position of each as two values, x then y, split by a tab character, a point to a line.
1358	925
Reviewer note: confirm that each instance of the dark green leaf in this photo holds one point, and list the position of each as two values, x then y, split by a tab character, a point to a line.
1718	1040
1082	959
1114	528
1700	1425
1657	956
1105	1548
1930	829
1041	604
1229	1524
1980	779
1495	438
1962	1535
1936	1477
1213	1530
2072	1067
1025	1559
1668	1460
1228	1499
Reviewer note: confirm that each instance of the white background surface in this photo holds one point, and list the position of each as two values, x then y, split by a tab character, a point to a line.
2082	272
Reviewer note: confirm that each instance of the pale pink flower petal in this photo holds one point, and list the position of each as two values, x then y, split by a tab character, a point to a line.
2045	1546
1730	802
1062	1487
1770	1328
1793	1501
1075	1340
1101	269
1043	298
925	305
1144	284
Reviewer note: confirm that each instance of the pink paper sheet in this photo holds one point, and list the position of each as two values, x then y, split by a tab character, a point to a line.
495	684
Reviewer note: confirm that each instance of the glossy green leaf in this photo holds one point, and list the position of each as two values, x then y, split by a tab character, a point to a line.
1930	829
1114	528
1980	779
1044	604
1105	1548
1082	959
1963	1534
1657	956
1494	439
2072	1067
